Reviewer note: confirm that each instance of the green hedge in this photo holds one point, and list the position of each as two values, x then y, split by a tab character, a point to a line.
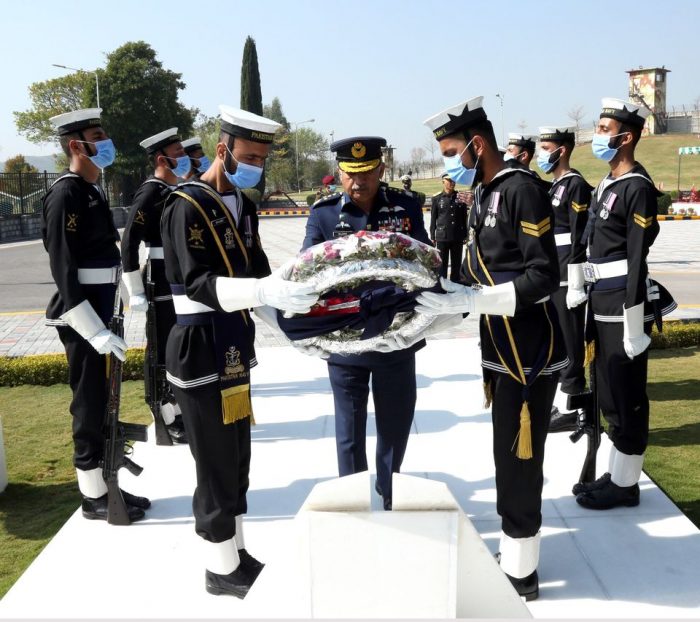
663	203
47	369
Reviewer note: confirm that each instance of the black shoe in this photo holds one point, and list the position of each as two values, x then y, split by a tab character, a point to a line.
609	496
251	565
385	500
527	587
387	503
588	486
138	502
563	421
236	583
176	431
96	509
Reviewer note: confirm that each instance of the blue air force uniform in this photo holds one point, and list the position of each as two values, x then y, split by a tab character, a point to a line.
350	376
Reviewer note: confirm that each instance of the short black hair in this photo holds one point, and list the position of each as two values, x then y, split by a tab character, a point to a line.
64	141
635	130
483	129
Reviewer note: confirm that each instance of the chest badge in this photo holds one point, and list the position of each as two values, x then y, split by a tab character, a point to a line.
229	239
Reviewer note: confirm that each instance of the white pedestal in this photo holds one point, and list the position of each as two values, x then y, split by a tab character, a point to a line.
3	463
424	559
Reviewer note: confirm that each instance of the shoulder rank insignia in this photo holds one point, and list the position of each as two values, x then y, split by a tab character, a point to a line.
578	208
643	222
326	200
72	223
538	229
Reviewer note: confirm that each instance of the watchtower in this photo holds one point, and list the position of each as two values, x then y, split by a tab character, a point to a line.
648	87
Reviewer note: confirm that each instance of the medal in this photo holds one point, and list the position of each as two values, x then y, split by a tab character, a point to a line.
604	213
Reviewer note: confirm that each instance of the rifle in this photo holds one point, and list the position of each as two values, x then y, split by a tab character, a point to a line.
588	423
117	433
156	384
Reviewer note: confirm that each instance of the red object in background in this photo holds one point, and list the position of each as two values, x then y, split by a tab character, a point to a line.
327	180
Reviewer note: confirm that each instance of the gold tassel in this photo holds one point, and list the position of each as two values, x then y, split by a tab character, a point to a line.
488	394
524	439
235	403
590	353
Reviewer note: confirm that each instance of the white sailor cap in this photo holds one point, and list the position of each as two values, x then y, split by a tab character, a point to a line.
559	133
624	111
192	144
456	118
406	178
162	139
247	125
76	120
522	140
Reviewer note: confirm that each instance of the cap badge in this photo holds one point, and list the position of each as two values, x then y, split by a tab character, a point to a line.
358	150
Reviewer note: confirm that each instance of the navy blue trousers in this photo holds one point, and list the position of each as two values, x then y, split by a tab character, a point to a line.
394	394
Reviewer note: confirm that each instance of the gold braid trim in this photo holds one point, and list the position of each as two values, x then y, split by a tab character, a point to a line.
235	404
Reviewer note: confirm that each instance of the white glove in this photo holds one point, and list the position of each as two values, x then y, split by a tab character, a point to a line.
311	350
443	323
575	294
274	290
496	300
285	295
458	299
106	342
133	283
269	316
138	302
634	339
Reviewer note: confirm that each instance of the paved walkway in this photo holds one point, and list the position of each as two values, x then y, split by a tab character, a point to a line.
676	253
629	563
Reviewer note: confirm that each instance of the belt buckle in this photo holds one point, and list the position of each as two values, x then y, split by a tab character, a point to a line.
590	273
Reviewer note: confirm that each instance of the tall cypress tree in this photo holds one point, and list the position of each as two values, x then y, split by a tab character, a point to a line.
251	93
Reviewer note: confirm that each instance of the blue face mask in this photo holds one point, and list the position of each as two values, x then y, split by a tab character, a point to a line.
204	164
106	152
246	175
459	173
333	188
182	166
601	146
544	160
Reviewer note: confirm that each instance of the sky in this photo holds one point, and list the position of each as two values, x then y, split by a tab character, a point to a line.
366	67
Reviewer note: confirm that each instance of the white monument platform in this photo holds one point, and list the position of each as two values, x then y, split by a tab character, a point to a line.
636	563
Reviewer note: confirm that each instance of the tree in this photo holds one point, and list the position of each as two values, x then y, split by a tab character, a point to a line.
417	158
279	169
251	93
19	165
139	98
50	98
431	147
576	114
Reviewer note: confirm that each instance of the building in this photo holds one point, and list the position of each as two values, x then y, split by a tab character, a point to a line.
648	87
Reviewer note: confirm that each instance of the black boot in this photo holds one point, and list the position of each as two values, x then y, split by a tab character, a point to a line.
385	500
609	496
251	565
527	587
138	502
588	486
563	421
176	430
237	583
96	509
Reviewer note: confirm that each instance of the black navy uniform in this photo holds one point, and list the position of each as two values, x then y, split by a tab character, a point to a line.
392	210
570	195
207	235
448	228
143	225
80	237
511	239
624	227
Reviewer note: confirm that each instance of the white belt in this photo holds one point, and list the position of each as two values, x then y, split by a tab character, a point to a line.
562	239
97	276
593	272
155	252
184	305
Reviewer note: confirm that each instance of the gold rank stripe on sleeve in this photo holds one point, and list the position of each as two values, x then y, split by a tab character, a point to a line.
578	208
538	229
643	222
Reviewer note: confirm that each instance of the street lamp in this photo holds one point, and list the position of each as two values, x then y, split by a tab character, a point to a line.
97	82
296	146
503	127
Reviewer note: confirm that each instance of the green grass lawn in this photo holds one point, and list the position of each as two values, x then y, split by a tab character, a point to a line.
42	493
658	154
